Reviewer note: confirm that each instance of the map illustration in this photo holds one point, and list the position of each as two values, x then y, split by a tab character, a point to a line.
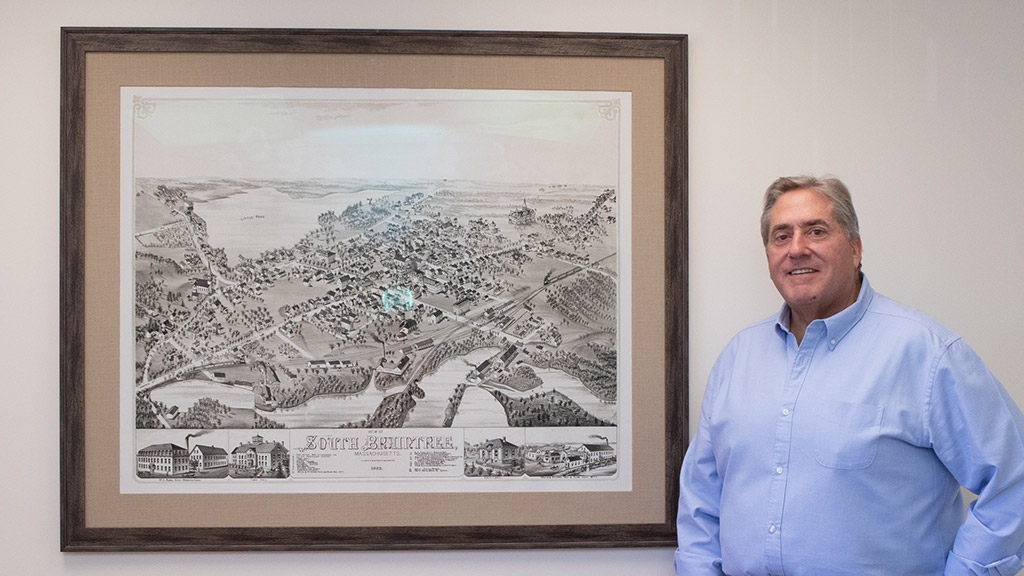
390	299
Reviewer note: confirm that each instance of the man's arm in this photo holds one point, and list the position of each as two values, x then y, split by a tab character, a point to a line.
978	432
700	493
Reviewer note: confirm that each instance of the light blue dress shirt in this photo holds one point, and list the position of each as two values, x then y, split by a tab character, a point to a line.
845	454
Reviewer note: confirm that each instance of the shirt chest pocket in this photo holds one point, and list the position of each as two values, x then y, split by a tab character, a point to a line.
846	434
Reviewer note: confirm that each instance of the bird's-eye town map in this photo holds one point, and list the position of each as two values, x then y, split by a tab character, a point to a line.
378	322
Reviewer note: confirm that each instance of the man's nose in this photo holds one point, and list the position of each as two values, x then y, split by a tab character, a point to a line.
798	245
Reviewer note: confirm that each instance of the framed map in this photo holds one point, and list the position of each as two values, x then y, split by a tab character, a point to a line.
332	289
435	273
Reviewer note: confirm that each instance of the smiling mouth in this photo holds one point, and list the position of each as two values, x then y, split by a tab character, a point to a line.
801	271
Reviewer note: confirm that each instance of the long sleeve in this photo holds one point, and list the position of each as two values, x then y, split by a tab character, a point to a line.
846	454
700	491
978	432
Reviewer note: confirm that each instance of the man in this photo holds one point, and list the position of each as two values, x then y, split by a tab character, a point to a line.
834	436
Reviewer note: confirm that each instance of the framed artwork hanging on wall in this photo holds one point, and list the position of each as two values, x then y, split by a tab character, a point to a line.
352	289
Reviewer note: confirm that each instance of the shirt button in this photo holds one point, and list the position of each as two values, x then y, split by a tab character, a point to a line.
785	411
772	529
778	470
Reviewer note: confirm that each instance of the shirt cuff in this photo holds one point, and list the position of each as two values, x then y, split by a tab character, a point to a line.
691	565
957	565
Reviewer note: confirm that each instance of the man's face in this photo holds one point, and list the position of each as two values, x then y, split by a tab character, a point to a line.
812	263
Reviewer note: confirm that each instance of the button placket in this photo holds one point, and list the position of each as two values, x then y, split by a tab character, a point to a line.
801	362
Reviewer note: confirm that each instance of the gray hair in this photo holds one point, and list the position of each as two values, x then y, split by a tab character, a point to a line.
836	192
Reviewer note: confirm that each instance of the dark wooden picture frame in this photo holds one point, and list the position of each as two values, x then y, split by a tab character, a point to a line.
86	337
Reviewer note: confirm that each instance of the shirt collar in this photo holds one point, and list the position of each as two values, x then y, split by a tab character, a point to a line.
838	325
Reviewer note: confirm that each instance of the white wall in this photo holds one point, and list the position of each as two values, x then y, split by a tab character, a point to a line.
917	105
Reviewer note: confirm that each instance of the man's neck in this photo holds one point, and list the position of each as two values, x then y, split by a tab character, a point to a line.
800	320
797	331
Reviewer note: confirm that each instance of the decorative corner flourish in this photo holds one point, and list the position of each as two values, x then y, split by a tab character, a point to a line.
143	107
610	110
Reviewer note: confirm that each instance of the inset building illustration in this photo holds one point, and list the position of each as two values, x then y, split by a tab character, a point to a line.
494	457
260	458
557	459
162	460
204	458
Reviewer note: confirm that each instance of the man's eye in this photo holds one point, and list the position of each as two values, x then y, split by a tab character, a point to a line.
817	232
780	238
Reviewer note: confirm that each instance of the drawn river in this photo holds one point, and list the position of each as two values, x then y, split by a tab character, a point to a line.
478	407
186	393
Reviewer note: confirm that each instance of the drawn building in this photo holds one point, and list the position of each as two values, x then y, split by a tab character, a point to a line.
463	306
597	452
575	461
163	459
406	327
522	216
208	457
553	456
397	369
201	286
508	356
499	451
259	455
